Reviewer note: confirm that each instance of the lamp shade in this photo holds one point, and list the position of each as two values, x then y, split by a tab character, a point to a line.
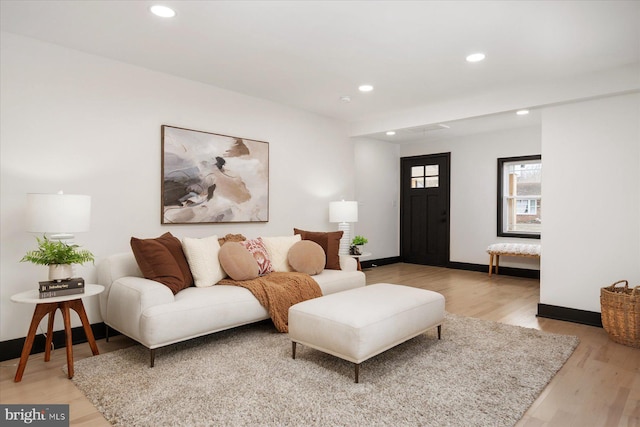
343	211
58	213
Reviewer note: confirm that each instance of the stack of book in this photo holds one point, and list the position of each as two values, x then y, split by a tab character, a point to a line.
54	288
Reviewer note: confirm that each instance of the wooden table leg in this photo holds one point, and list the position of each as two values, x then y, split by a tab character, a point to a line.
66	315
47	345
40	311
78	306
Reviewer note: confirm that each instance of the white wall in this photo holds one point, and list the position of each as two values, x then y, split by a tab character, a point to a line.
377	168
474	189
89	125
591	190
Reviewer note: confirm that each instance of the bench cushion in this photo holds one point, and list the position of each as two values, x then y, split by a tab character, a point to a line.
517	249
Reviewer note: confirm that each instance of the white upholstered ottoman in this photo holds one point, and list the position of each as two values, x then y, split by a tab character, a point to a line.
357	324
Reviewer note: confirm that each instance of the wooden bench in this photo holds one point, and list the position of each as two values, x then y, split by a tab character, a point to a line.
511	249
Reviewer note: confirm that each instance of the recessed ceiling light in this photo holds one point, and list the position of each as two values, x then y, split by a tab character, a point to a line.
391	132
522	112
475	57
345	98
162	11
365	88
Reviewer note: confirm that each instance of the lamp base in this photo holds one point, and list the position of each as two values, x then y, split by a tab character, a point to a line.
345	242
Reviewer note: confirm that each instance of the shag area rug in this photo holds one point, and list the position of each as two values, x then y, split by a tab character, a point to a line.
480	374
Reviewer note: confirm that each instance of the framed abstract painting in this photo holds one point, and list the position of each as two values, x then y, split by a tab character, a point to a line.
212	178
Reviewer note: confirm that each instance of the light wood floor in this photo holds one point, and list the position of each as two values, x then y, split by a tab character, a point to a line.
598	386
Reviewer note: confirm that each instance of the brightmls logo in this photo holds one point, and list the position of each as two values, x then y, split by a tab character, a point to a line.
35	415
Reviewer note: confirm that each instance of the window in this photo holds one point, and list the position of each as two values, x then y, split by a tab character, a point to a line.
424	176
526	206
520	196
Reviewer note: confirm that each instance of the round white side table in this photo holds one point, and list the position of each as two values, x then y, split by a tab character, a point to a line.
362	255
49	306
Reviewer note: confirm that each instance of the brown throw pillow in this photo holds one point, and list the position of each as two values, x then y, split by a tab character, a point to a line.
162	259
238	262
306	256
330	243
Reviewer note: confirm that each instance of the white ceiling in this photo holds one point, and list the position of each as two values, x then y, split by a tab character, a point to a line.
307	54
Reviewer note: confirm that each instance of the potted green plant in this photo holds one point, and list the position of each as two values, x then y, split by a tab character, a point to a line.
58	256
359	242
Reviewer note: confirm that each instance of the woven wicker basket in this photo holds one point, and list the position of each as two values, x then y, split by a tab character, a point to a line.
621	313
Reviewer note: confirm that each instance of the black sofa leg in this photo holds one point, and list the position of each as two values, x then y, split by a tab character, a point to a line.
152	357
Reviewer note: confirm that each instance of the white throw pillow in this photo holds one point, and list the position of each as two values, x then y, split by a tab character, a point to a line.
202	256
278	248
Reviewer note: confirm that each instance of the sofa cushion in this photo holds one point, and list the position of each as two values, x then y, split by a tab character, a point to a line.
307	257
202	255
330	243
278	248
238	262
162	259
259	252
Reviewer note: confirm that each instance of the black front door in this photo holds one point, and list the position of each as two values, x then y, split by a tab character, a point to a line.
424	209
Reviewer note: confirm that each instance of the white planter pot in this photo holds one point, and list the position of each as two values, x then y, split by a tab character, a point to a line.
60	271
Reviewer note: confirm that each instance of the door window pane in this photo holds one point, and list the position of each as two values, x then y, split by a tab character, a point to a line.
417	171
431	181
431	170
424	176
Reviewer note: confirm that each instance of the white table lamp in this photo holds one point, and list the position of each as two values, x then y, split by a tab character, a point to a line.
344	213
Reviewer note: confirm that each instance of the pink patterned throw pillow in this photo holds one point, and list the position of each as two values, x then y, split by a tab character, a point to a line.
257	248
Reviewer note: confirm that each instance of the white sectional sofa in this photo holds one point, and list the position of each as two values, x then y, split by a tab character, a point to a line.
149	313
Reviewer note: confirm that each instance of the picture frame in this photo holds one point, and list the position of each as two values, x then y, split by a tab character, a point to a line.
212	178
